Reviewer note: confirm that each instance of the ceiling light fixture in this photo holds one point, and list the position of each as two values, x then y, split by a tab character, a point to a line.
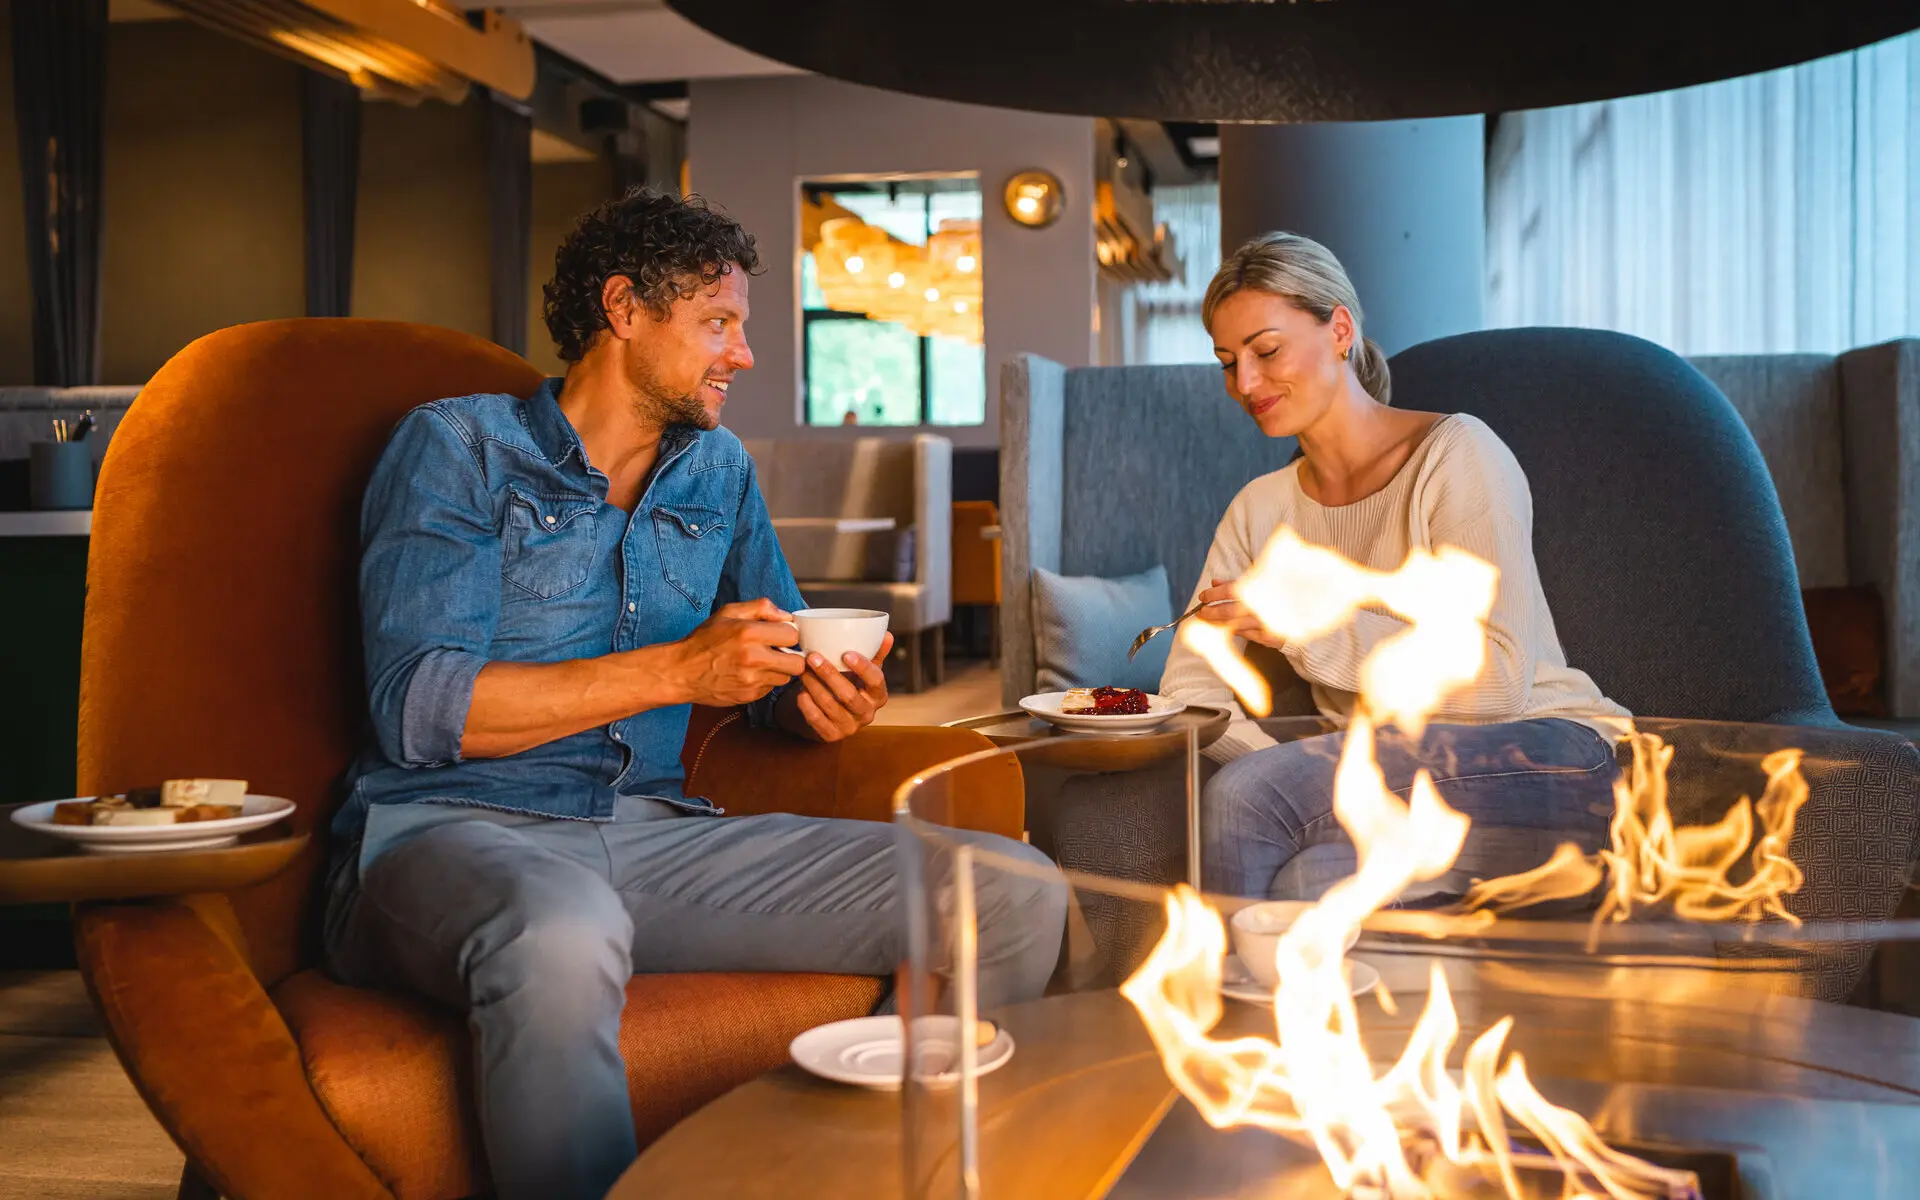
403	49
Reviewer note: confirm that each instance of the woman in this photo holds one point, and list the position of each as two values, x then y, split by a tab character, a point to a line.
1527	750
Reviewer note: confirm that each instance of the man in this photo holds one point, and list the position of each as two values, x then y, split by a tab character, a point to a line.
546	586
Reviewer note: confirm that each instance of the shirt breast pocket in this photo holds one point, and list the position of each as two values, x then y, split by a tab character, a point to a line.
548	544
693	542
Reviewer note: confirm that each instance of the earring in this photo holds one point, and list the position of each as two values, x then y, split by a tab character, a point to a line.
1346	354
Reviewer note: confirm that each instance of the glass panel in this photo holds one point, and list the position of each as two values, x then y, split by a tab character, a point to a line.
959	382
812	298
870	369
1700	1048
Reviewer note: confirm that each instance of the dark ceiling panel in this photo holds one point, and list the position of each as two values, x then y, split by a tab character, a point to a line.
1275	60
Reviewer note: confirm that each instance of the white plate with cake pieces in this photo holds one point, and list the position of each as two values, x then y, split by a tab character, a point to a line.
1103	709
180	814
871	1051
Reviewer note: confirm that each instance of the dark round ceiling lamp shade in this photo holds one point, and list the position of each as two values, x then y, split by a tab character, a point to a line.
1293	60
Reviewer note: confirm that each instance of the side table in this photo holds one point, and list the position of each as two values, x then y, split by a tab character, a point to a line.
1097	752
36	869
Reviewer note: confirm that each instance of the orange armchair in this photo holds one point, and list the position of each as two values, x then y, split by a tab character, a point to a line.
222	639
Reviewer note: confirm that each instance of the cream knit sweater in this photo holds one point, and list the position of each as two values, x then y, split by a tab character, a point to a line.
1461	487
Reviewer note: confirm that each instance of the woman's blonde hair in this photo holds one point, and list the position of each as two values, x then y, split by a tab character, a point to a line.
1306	275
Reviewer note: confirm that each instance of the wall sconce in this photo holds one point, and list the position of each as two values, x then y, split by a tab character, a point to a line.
1034	198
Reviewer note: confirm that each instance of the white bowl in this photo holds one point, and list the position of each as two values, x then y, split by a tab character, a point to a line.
833	633
1046	706
1256	930
256	812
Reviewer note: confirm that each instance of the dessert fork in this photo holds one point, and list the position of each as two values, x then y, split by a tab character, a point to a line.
1152	632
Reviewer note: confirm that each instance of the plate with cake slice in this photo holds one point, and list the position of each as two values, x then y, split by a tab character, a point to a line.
1103	709
180	814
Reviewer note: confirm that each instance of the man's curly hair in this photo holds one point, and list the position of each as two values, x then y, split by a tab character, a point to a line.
667	245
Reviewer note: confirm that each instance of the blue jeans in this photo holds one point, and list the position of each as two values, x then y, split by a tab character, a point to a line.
1268	827
532	927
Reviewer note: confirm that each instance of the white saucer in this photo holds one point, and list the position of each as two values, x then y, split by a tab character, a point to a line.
868	1051
1046	706
1237	983
255	813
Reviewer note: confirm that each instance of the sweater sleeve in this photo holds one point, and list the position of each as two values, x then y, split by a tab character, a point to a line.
1472	495
1187	676
1480	502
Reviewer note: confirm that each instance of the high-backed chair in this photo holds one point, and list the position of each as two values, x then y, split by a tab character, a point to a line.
1841	437
904	571
222	639
1660	542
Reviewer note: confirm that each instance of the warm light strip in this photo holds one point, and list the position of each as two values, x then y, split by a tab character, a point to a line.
404	45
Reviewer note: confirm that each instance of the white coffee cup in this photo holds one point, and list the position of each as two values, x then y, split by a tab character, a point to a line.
833	633
1256	931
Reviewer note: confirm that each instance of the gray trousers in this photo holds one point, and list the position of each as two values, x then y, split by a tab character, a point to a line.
533	926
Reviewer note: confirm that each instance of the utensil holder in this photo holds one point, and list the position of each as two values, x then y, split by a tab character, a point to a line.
60	475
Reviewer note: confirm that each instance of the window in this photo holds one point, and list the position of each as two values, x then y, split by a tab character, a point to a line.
890	303
1160	322
1773	213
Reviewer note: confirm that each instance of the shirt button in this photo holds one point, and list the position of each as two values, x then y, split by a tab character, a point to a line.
616	735
693	528
550	520
631	606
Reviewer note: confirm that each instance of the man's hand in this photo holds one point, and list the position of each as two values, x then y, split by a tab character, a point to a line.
734	656
1223	607
828	706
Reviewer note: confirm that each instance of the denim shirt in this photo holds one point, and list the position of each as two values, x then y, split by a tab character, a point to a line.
486	536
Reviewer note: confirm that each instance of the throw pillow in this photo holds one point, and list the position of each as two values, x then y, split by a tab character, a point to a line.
1082	626
1848	628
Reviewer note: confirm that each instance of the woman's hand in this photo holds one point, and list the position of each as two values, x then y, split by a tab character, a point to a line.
1223	608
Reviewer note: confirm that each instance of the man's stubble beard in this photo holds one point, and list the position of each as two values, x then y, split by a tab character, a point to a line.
658	404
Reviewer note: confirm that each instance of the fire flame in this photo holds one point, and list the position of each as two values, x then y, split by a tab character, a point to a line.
1651	862
1395	1133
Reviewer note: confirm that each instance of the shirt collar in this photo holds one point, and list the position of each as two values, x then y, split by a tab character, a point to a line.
552	432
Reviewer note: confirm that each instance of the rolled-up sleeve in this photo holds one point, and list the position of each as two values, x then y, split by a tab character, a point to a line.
757	568
429	589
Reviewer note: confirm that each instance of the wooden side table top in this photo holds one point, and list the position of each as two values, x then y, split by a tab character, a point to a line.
1101	752
36	869
1085	1089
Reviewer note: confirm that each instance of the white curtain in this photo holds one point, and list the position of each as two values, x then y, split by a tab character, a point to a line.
1774	213
1160	322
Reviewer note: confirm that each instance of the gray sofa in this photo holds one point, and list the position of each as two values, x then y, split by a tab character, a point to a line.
1661	546
905	572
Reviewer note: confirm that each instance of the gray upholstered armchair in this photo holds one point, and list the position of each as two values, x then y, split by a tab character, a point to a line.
1661	545
1841	438
821	491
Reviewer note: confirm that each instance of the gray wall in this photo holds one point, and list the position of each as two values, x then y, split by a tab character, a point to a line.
752	141
1402	203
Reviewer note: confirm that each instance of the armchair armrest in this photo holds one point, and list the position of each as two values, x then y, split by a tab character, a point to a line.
211	1056
1033	397
1880	402
933	519
748	771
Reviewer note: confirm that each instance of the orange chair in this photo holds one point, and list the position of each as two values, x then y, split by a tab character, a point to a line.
222	639
976	561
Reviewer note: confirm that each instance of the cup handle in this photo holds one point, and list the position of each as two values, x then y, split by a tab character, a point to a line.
796	633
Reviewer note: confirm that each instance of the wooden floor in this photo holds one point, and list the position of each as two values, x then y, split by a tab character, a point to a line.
71	1125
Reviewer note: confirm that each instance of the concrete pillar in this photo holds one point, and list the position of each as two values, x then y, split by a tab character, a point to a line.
1402	203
